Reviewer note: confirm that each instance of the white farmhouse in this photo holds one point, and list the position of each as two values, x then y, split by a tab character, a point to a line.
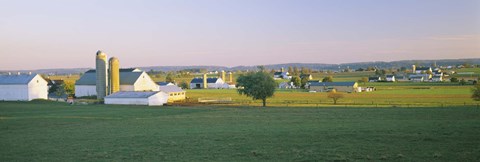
137	98
130	80
390	78
23	87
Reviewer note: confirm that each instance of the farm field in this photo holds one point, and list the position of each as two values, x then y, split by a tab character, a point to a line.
48	131
386	96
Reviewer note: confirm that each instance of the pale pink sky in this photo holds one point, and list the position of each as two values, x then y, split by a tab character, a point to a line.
58	34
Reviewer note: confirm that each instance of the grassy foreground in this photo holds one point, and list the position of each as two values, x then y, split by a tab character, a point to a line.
43	131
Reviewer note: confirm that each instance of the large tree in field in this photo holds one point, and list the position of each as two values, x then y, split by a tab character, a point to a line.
258	85
334	95
476	92
296	81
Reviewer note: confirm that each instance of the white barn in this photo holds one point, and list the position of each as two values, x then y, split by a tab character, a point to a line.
130	80
137	98
212	83
23	87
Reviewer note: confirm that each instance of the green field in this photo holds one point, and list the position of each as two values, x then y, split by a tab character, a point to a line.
45	131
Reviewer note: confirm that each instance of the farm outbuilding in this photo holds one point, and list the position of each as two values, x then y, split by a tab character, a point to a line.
137	98
338	86
174	92
23	87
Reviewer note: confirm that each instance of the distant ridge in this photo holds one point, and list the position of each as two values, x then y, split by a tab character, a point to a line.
316	66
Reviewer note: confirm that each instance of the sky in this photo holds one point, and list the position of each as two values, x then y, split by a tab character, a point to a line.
67	33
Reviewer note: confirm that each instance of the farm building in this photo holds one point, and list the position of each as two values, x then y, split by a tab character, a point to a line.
416	78
174	92
401	78
212	83
390	78
338	86
421	70
137	98
309	76
281	75
437	79
420	77
286	85
374	79
23	87
130	80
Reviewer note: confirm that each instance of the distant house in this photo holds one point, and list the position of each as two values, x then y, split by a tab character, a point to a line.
390	78
374	79
174	92
281	75
400	78
23	87
309	76
286	85
212	83
157	98
437	79
422	70
338	86
417	78
130	80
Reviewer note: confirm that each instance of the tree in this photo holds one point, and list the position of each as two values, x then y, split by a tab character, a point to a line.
304	82
453	80
69	87
296	81
290	70
463	82
169	78
363	80
184	85
258	85
60	90
295	70
335	96
403	69
380	72
476	92
327	79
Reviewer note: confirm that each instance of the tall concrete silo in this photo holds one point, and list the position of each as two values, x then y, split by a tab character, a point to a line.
230	75
223	76
114	75
205	83
102	78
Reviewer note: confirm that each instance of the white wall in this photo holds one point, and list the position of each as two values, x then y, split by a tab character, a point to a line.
145	83
37	88
158	99
85	90
127	101
14	92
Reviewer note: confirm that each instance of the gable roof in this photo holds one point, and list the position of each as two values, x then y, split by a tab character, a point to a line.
423	68
171	88
333	84
16	79
131	94
126	78
280	73
374	78
163	83
390	76
200	80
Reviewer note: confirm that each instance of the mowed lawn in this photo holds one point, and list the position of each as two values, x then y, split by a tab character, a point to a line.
44	131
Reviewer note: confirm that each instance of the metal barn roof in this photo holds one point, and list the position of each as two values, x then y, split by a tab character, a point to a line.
131	94
200	80
126	78
171	88
16	79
